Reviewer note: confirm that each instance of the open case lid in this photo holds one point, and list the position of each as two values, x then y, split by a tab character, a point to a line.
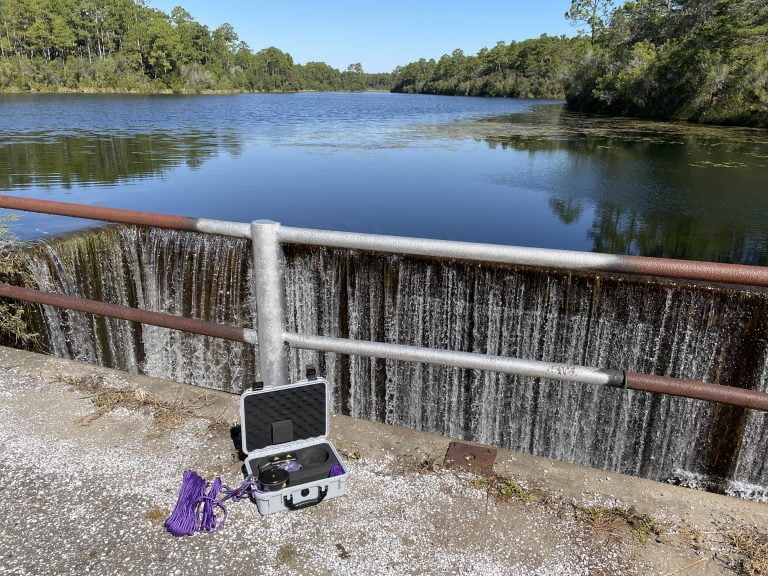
273	416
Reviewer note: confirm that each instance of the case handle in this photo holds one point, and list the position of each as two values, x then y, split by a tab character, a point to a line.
321	494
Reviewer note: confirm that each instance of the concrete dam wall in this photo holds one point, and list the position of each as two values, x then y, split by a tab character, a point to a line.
703	332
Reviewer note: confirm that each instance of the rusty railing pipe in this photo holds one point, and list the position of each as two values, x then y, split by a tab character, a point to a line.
132	314
742	397
121	216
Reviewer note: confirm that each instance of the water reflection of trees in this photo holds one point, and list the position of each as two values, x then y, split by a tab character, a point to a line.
567	210
665	190
625	232
67	160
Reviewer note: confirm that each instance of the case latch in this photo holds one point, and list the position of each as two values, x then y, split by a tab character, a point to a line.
257	386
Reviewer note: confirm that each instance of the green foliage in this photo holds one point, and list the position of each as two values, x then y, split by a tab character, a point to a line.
271	70
703	61
504	487
124	45
530	69
698	60
593	14
13	314
509	487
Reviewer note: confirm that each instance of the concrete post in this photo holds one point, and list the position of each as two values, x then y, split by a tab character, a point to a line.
267	272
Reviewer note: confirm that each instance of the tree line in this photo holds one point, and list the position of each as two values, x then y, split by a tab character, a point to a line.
127	45
696	60
536	68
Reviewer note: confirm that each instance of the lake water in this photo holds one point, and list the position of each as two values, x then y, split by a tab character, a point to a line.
488	170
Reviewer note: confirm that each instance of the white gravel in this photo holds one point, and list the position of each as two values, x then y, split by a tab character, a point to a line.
75	501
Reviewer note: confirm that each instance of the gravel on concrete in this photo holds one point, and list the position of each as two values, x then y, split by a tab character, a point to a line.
90	499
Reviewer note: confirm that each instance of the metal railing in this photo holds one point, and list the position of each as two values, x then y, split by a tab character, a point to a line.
266	239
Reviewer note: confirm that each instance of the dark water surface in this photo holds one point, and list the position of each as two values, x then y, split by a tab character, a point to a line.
488	170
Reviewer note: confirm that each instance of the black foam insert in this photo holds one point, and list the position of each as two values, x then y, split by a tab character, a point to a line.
304	406
282	432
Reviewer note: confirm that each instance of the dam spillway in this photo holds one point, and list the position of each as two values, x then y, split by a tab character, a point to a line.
681	329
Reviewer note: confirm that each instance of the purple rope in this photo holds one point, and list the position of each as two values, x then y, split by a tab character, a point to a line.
209	504
195	509
183	519
243	491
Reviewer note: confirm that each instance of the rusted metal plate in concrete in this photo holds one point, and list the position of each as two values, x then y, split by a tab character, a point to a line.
470	457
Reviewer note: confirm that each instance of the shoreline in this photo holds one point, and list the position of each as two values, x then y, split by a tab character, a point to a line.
177	92
229	92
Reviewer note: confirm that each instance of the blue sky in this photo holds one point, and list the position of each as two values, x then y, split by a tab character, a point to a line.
381	34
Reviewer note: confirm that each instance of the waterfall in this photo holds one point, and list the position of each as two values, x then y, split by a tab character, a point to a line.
164	271
680	329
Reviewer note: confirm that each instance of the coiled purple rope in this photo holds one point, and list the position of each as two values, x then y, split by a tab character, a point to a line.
195	509
183	521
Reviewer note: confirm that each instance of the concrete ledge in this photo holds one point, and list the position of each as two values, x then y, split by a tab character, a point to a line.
115	479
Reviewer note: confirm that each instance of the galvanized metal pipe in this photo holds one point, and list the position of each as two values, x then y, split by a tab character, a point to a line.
535	368
742	397
136	217
447	249
133	314
553	371
516	255
267	276
478	252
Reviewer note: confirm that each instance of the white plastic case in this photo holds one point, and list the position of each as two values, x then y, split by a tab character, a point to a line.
291	419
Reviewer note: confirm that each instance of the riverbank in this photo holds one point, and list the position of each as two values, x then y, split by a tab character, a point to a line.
94	458
117	91
150	91
595	114
166	91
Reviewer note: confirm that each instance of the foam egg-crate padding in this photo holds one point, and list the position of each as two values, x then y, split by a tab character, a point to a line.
305	406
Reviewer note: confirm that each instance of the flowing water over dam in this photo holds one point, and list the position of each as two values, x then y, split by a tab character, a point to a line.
682	329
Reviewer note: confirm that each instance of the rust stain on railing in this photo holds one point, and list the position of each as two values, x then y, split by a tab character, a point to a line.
182	323
118	215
